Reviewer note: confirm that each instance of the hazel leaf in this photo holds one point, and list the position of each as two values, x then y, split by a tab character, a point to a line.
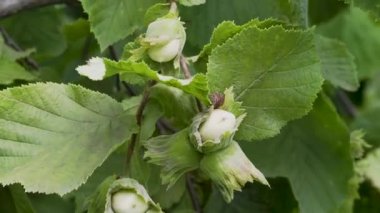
196	86
275	72
63	132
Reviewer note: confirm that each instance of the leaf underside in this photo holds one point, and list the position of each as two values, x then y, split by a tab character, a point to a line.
53	136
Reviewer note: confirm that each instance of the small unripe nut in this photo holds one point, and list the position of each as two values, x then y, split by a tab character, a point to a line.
218	123
165	52
126	201
168	36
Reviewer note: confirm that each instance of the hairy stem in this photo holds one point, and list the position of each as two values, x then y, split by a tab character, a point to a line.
186	72
139	117
184	66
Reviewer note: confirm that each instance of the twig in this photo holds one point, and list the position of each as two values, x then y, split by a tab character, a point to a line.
184	67
186	72
345	104
144	101
139	117
173	6
193	195
10	7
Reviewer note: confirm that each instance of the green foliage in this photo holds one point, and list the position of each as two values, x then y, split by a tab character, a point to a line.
348	27
338	66
369	115
42	125
314	154
174	153
205	17
257	198
276	74
196	86
178	107
372	6
14	199
51	203
263	67
10	70
98	201
113	20
44	27
370	167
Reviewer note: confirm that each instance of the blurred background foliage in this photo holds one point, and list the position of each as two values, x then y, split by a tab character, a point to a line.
47	43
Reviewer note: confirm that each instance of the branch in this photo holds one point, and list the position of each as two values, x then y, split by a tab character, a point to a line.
184	66
139	117
186	72
10	7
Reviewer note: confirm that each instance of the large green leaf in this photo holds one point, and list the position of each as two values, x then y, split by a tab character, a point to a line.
112	20
223	32
338	64
348	27
53	136
274	72
202	19
314	154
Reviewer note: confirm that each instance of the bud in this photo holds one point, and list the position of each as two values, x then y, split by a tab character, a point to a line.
128	196
230	169
166	38
95	69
